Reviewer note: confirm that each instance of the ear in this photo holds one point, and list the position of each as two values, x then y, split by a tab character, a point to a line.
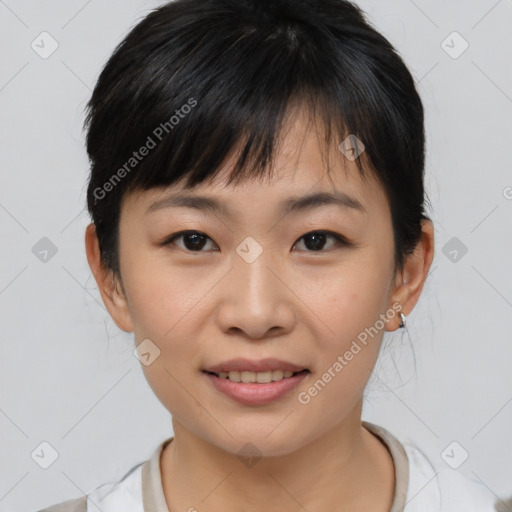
111	289
410	280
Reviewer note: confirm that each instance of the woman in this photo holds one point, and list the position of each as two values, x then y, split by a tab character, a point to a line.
257	200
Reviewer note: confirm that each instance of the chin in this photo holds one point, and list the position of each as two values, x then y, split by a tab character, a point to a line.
259	444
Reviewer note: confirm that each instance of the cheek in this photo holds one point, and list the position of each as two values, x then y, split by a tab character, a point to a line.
168	307
351	300
348	350
163	305
160	296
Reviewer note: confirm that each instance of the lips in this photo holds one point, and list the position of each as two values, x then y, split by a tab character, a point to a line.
256	394
248	365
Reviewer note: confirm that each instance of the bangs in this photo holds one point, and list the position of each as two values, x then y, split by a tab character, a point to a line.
249	134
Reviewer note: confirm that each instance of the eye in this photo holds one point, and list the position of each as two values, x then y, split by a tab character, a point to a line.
315	240
193	241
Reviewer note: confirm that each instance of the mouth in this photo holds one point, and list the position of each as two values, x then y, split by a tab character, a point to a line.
256	388
254	382
263	377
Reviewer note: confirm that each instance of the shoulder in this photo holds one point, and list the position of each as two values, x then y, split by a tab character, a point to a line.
125	494
74	505
431	484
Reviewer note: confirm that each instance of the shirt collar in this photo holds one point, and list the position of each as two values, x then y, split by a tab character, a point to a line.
400	461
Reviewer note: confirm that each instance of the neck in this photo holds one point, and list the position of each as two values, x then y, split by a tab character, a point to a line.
347	468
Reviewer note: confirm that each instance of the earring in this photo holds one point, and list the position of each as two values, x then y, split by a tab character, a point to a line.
402	321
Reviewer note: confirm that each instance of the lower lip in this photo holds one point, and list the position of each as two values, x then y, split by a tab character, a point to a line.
253	393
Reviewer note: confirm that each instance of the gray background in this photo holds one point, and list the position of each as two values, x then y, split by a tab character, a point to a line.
68	376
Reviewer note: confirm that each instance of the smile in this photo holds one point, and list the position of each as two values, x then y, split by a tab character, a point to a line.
249	391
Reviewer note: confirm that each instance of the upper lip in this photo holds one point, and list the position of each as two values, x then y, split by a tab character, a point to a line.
262	365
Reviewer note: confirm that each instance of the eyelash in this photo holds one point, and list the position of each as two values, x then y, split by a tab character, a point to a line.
340	240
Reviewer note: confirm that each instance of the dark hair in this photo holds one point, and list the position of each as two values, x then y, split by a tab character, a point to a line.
196	78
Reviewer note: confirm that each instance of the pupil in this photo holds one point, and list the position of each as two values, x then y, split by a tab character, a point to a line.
320	240
199	241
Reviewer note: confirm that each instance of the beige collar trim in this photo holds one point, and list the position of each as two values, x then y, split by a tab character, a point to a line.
400	461
153	497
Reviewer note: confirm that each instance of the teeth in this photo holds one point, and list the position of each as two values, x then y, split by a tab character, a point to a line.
278	374
234	376
259	377
247	376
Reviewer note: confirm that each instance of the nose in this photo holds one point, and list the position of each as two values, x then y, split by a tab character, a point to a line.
257	302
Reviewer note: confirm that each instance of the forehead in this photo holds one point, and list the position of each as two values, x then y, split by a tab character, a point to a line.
303	165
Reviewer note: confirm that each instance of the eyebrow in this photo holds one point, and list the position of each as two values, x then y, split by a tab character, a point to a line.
290	205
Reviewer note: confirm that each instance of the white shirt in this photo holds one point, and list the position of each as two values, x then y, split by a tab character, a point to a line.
420	486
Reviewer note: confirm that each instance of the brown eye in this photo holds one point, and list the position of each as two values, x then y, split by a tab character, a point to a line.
317	240
193	241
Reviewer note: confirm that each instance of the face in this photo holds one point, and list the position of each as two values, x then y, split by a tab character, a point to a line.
252	280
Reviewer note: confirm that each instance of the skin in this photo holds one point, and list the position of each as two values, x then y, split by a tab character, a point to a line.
292	303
